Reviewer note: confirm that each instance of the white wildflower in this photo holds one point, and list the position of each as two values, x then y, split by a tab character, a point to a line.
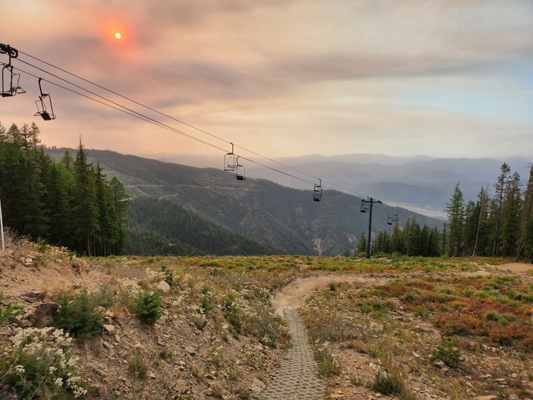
19	369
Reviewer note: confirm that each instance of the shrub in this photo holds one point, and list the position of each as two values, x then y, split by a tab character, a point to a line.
232	314
137	366
148	306
327	364
9	311
168	275
448	352
387	384
40	366
410	296
77	315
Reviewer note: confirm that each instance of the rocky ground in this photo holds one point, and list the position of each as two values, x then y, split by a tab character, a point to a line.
193	356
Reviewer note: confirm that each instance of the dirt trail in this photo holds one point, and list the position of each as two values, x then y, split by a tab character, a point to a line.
297	378
296	293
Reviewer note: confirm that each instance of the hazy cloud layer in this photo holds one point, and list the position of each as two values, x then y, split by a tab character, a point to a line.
443	78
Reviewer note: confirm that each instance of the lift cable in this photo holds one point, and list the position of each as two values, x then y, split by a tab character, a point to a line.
117	106
162	113
120	95
121	108
143	117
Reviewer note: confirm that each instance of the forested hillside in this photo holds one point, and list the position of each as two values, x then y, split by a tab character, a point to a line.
284	220
69	203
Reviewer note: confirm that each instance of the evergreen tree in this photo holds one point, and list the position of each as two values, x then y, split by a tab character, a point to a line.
361	245
511	217
60	187
120	202
496	208
525	241
397	242
480	215
84	207
455	213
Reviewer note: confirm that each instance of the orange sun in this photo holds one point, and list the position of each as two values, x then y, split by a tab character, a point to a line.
118	35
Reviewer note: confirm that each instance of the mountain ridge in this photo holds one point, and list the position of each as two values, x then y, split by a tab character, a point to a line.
282	218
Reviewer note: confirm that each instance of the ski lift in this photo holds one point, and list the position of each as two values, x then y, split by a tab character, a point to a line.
317	191
239	171
10	80
392	218
44	105
365	205
230	161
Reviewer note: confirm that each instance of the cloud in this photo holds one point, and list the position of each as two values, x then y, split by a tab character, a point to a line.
300	76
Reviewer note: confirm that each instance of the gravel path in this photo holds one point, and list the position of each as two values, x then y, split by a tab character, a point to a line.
297	378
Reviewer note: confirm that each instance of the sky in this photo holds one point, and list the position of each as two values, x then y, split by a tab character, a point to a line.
278	78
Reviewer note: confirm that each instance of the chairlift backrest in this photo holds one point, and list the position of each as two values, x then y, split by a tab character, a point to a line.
317	191
239	171
44	105
10	82
365	206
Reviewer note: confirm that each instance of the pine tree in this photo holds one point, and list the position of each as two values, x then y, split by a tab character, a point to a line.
496	208
60	186
482	215
511	217
84	207
525	241
120	201
361	245
398	245
455	213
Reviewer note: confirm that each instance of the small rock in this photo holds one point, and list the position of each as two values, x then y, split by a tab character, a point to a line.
163	286
44	315
190	350
107	346
110	329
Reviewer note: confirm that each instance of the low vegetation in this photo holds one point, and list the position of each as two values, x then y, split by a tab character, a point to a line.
204	327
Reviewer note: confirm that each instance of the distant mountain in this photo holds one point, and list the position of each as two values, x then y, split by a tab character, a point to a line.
417	183
183	210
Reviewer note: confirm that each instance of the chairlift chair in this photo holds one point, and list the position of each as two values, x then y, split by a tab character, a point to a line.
392	218
44	105
239	171
365	206
230	162
317	191
10	82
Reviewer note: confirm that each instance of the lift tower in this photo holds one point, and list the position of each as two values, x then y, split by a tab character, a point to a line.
366	205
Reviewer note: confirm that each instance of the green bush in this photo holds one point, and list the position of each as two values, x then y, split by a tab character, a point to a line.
327	364
148	306
9	311
77	315
387	384
168	275
448	352
233	314
137	366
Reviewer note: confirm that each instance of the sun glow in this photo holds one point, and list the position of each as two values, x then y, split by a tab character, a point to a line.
118	35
